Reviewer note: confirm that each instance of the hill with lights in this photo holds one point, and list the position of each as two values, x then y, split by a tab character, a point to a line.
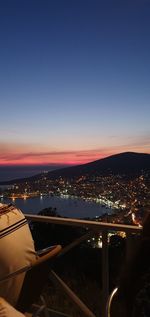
128	163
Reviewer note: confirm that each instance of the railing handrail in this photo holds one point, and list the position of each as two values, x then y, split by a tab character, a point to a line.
102	227
85	223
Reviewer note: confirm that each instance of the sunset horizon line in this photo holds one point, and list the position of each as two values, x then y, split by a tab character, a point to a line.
66	163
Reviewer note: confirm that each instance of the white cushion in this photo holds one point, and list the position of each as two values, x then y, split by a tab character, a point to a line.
16	250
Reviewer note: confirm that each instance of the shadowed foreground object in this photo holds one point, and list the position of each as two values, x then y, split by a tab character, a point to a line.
24	271
6	310
132	297
36	278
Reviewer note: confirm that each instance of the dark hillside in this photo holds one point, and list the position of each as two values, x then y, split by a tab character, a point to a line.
128	163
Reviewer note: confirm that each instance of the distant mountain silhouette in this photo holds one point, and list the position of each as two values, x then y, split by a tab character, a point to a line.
123	163
128	163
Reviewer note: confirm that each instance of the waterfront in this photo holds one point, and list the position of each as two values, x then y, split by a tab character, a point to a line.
67	207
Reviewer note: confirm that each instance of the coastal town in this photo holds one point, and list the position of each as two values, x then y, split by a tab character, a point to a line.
129	198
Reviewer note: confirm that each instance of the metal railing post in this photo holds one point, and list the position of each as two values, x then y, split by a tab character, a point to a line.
75	299
132	244
128	246
105	272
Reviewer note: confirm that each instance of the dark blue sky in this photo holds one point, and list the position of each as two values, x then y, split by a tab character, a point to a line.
74	79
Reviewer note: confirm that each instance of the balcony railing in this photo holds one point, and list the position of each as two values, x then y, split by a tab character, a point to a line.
95	226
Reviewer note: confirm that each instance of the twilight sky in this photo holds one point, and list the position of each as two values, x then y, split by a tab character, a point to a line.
74	80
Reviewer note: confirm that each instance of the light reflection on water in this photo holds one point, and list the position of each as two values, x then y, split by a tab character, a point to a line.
70	207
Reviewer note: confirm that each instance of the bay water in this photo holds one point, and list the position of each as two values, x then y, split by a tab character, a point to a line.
65	207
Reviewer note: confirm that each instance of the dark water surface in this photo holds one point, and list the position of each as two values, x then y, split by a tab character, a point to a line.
68	207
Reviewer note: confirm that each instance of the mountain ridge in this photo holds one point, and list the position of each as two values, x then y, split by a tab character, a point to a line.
121	163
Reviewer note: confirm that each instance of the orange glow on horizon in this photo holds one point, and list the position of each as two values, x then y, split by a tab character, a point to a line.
58	161
20	156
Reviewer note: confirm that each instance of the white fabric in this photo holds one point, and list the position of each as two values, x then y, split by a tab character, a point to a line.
6	310
16	250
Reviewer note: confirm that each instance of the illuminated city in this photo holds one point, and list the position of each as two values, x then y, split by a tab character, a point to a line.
128	198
